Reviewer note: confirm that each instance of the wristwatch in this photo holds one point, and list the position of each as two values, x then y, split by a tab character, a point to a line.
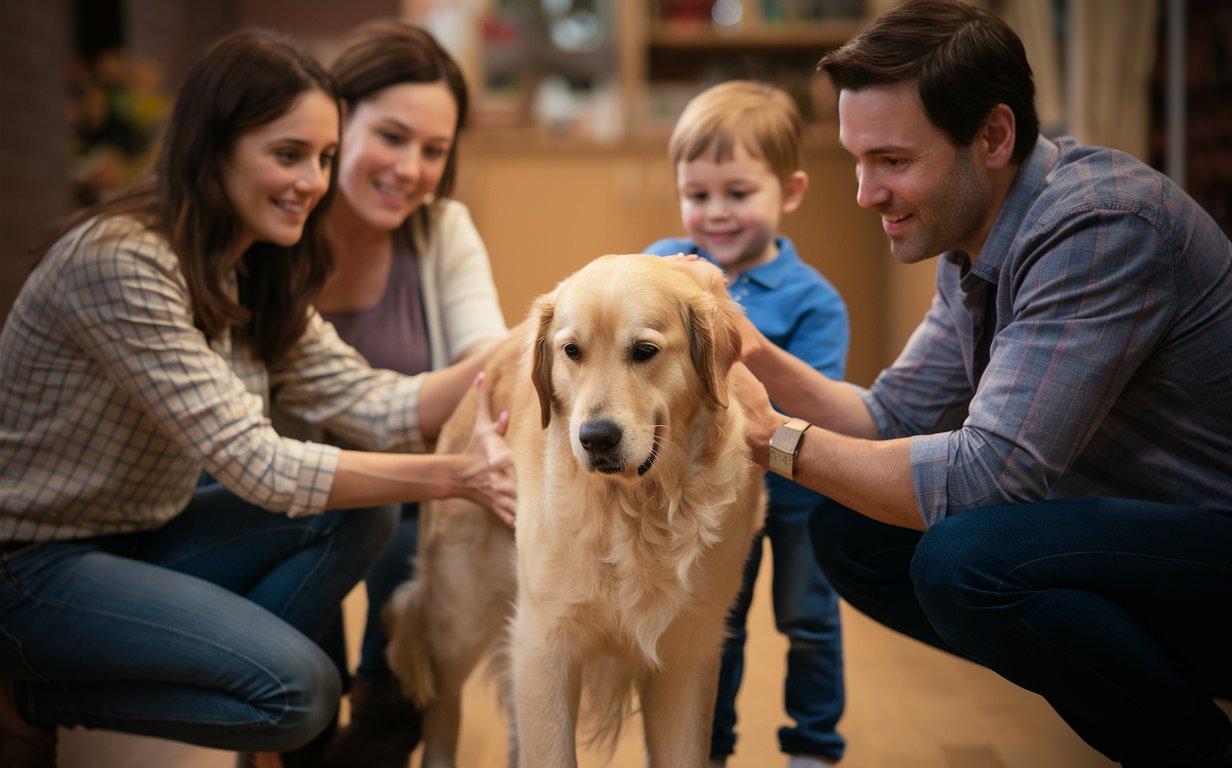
784	446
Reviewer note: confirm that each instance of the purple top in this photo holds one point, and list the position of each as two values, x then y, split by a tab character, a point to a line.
392	334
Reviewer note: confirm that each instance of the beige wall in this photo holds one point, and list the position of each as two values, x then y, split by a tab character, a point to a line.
546	209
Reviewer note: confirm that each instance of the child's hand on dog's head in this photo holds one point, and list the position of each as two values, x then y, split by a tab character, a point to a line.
707	275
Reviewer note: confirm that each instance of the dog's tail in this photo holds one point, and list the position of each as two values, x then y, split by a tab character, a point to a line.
608	690
408	651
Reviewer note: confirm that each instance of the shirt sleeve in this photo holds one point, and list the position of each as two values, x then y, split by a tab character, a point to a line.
1094	294
822	334
126	303
470	307
324	381
926	389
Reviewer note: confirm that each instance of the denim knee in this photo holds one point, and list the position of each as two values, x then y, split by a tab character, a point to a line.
952	575
829	531
305	698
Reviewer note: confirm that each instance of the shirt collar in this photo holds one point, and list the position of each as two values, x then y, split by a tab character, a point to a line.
771	274
1026	187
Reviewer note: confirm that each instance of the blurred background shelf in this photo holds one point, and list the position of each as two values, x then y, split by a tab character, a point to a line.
814	35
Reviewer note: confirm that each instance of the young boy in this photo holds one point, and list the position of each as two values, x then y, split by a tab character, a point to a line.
736	151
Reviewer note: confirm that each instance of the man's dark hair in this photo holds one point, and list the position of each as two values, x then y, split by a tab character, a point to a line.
964	60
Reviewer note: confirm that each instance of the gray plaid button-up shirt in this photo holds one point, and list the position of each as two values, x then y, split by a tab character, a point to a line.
1087	351
112	402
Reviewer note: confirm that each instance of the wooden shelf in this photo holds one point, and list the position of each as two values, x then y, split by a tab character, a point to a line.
819	139
816	34
657	62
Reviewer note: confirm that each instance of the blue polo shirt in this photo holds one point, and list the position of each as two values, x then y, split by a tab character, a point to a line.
798	310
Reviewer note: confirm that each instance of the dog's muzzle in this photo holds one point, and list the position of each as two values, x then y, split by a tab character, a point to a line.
601	440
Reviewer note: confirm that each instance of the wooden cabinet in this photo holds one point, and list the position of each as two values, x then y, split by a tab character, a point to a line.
613	69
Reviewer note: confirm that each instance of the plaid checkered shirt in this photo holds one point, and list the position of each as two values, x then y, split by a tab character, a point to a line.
1087	350
112	402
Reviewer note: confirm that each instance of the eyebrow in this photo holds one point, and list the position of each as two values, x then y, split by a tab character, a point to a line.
299	143
885	149
407	129
397	124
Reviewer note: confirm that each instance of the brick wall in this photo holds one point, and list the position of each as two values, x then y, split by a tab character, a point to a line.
35	43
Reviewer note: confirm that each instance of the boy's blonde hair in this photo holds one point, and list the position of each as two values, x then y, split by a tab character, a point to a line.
761	118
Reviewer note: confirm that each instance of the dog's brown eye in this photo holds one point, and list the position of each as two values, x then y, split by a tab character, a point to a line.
571	351
643	352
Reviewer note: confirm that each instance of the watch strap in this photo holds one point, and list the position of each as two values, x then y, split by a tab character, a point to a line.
784	445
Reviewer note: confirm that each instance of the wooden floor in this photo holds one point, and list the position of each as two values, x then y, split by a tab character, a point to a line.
907	705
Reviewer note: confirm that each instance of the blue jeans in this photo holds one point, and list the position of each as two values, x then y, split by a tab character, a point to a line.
202	631
1117	612
806	610
394	566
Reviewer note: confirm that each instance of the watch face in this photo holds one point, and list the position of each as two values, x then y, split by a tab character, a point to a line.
781	462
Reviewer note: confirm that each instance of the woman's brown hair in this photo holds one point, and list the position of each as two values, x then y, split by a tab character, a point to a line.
384	53
243	81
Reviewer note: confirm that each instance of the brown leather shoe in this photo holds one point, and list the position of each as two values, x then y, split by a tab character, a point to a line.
384	730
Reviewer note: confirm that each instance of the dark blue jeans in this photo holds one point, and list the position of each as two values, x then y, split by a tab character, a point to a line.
394	566
1117	612
806	610
202	631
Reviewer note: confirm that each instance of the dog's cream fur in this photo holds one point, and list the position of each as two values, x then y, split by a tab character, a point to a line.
629	552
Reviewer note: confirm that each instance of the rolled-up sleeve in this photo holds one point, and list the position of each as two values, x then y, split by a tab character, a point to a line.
1091	298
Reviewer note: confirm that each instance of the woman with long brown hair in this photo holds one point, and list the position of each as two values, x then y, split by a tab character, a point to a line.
148	345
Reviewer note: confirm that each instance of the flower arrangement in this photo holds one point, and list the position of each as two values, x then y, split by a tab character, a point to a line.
116	111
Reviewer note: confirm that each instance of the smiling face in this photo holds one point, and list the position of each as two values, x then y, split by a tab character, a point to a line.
628	349
731	208
932	195
395	149
276	173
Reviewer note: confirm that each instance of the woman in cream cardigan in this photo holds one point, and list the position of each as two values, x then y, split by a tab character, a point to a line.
411	290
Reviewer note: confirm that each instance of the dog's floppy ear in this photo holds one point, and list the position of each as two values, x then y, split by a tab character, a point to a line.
541	368
714	342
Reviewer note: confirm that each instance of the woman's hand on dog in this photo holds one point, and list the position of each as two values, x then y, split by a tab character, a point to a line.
490	477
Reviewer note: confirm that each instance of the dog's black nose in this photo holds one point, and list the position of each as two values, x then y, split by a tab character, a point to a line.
599	435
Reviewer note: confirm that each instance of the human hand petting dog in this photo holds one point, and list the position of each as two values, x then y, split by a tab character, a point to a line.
712	279
490	480
763	420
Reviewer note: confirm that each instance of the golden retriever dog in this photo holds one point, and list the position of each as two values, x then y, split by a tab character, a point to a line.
637	504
